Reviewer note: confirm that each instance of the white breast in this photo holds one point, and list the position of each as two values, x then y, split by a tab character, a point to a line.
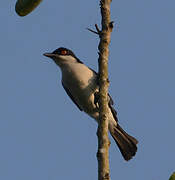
81	82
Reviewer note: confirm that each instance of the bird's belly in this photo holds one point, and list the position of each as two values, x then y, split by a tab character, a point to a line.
82	84
84	96
87	104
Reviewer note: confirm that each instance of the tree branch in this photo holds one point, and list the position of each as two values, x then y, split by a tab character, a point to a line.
102	132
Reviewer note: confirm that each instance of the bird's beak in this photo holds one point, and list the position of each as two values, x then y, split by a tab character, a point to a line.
50	55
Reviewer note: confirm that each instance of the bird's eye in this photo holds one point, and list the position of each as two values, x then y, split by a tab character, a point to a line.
63	52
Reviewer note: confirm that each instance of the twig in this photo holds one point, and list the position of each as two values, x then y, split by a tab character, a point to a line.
96	32
92	31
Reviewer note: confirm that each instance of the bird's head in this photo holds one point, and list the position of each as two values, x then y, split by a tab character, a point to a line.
63	56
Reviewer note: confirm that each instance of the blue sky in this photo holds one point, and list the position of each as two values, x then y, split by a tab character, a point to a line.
42	133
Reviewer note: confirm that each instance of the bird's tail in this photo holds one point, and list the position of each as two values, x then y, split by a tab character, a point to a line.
126	143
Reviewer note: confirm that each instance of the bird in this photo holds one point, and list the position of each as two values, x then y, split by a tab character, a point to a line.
81	84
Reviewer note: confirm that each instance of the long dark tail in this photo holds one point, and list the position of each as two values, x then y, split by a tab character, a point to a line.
126	143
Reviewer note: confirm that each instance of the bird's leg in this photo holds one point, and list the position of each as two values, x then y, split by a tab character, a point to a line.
96	98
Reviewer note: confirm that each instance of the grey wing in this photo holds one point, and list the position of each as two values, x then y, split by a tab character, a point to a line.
110	104
72	98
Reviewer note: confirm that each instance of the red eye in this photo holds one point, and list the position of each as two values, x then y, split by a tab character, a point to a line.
63	52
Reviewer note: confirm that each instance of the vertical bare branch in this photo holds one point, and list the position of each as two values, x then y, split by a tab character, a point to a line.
102	132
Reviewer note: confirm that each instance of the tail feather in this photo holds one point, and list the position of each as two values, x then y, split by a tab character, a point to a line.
126	143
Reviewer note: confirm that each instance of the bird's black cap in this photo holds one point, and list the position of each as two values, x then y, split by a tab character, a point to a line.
63	52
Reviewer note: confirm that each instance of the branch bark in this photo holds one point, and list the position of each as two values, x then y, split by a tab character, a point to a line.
102	132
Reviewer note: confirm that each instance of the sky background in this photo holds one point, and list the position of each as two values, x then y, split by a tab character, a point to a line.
43	135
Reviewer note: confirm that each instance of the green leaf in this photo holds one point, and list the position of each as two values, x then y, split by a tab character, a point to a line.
172	176
24	7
